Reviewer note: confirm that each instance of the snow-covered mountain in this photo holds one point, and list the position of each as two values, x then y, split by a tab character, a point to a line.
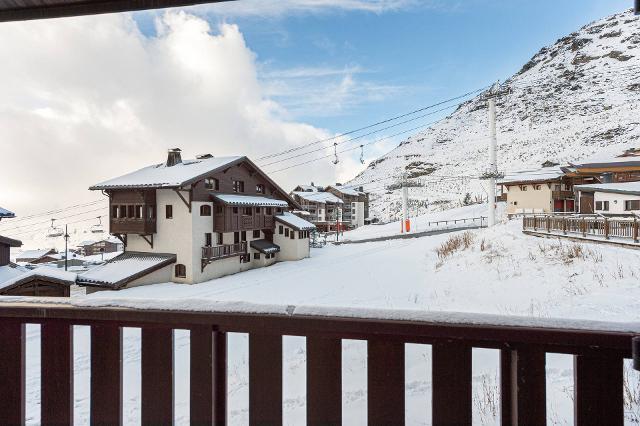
573	99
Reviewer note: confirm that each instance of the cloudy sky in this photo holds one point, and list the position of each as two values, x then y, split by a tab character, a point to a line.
85	99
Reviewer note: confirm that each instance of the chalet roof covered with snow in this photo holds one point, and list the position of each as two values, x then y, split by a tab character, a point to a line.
4	213
10	271
163	176
10	242
632	188
310	188
319	197
125	268
536	175
264	246
35	254
295	222
45	273
347	190
249	200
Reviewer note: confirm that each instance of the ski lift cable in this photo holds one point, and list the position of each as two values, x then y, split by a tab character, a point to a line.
29	225
60	210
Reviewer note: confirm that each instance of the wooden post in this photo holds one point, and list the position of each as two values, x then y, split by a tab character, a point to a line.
535	223
606	228
584	227
564	225
548	224
635	230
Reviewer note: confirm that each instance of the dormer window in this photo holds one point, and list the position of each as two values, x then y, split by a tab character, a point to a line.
260	188
212	183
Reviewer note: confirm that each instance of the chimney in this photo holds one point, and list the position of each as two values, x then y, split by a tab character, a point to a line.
173	157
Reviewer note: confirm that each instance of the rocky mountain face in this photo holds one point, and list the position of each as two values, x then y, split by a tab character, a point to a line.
574	99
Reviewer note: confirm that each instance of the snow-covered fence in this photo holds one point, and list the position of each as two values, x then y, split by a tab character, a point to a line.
584	225
599	349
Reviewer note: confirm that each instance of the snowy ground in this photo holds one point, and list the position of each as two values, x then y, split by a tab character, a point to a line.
501	272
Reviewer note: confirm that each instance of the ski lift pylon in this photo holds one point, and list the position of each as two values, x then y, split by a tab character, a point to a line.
335	153
54	231
361	154
97	228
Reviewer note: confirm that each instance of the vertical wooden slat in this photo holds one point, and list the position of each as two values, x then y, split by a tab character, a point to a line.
506	391
201	376
528	389
220	378
157	376
598	398
385	384
57	373
451	378
106	375
265	379
12	384
324	381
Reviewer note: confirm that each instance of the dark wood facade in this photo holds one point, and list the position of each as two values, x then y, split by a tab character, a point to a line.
232	219
5	249
132	211
37	285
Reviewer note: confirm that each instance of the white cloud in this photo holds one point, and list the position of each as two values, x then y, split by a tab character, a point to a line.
262	9
89	98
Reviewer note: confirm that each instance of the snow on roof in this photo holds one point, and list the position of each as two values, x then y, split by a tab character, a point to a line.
295	222
10	271
543	174
310	188
319	197
249	200
86	243
10	241
125	268
347	190
264	246
618	187
55	274
33	254
159	175
6	213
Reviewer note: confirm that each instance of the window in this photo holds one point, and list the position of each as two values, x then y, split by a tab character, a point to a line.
131	211
114	212
280	229
256	233
219	238
257	210
256	256
537	187
300	234
260	188
235	210
269	211
168	211
151	212
205	210
523	187
286	232
243	235
212	183
248	211
180	271
207	239
292	235
219	210
138	211
278	210
123	211
632	205
238	186
236	237
602	205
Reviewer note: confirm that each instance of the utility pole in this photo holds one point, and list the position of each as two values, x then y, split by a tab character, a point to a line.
66	250
493	163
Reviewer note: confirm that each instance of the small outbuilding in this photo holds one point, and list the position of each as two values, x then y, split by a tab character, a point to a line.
43	281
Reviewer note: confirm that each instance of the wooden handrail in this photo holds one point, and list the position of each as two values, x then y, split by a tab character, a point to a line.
599	348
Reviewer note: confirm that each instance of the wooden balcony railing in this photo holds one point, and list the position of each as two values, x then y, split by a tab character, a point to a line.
132	226
584	226
599	349
223	251
563	195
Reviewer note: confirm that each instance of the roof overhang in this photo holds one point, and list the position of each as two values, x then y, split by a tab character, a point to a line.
41	9
264	246
10	242
85	280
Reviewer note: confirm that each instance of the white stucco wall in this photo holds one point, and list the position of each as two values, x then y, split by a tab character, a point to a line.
529	201
357	213
295	249
616	202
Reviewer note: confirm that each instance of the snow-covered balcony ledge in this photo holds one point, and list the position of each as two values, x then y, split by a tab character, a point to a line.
599	349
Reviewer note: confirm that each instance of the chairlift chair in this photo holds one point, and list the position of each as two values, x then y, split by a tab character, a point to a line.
97	228
53	231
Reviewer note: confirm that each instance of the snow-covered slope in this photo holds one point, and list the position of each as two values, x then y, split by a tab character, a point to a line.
574	98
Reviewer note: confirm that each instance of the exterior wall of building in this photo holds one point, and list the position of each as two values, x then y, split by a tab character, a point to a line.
529	201
173	235
616	202
290	249
357	213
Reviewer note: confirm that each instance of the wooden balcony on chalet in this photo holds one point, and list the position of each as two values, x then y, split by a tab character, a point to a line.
231	222
563	195
129	225
598	348
223	251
